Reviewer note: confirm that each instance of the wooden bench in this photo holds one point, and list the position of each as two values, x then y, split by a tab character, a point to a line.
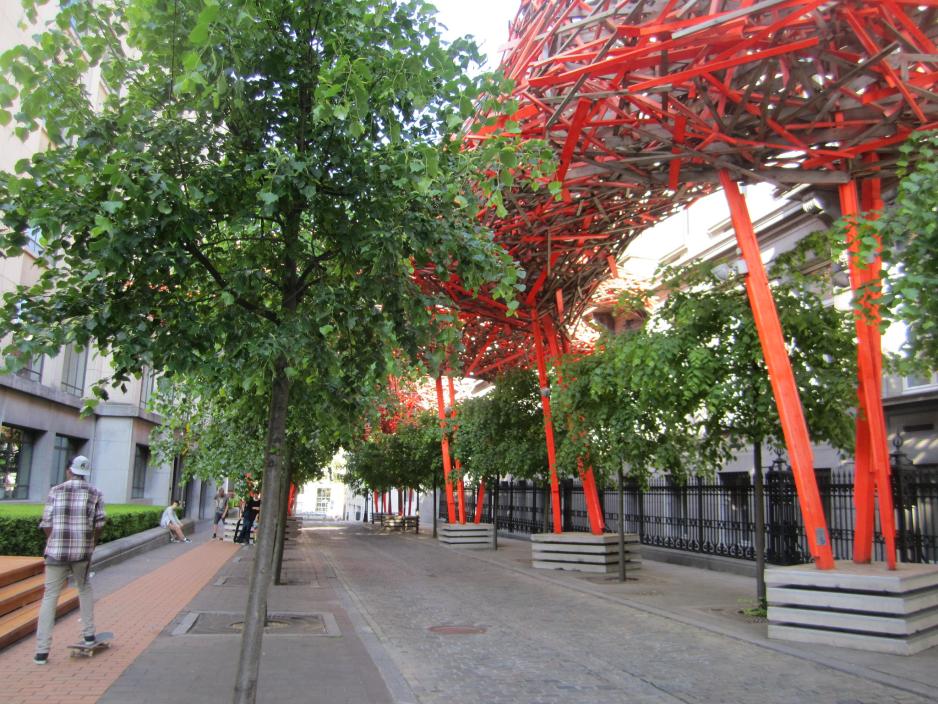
394	521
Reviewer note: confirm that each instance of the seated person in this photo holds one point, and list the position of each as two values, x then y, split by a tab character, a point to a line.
170	521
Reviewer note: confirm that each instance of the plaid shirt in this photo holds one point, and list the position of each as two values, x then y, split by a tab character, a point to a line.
73	510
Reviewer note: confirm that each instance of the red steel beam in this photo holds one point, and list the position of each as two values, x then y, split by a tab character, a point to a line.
875	465
781	376
460	483
548	423
444	443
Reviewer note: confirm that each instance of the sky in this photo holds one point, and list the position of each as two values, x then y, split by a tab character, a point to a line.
486	20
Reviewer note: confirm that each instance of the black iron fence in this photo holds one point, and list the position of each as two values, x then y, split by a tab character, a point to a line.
716	516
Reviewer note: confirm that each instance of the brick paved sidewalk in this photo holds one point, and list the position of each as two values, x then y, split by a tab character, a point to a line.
136	613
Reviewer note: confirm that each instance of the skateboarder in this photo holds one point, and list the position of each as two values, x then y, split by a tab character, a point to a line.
72	521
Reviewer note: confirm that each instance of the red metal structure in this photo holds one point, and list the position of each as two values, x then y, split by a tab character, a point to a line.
651	104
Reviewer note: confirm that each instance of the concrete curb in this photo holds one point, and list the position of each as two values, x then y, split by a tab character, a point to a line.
122	549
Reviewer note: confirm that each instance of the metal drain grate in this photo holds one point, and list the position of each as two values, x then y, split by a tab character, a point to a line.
216	623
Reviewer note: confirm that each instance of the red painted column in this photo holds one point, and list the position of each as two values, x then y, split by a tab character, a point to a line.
460	484
374	501
871	473
444	443
480	500
548	423
594	511
781	377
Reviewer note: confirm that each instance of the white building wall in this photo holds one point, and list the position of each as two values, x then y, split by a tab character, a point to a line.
109	437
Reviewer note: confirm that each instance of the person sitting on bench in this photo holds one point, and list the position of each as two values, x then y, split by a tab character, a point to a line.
170	521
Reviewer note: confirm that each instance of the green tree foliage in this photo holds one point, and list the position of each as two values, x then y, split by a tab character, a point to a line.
407	458
502	432
908	230
691	388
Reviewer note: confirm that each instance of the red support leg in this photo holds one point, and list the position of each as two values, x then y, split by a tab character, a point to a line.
548	424
480	501
444	443
781	377
872	471
594	511
460	484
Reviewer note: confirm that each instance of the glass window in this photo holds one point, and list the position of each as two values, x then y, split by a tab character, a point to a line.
16	459
33	369
141	458
73	376
919	382
33	238
323	499
147	386
65	449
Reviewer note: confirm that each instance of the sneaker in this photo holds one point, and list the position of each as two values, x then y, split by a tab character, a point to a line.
41	658
173	540
89	640
188	541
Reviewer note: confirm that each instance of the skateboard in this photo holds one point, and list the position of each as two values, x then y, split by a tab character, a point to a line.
102	641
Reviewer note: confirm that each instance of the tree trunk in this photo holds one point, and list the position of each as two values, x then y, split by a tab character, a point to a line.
255	615
282	523
621	525
494	494
436	509
759	519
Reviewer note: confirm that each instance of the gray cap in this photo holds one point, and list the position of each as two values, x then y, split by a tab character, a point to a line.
80	466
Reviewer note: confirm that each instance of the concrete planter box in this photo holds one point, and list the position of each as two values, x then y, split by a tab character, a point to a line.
865	607
583	552
473	536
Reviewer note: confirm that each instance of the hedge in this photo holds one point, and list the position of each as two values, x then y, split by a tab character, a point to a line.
20	533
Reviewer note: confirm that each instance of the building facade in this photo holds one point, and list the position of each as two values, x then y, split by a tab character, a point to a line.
41	423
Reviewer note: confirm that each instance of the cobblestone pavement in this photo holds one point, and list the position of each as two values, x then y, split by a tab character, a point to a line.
545	643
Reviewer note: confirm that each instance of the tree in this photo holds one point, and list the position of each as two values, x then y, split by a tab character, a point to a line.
250	200
691	389
502	432
406	457
906	232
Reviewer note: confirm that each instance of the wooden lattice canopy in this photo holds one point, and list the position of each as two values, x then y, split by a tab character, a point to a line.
646	100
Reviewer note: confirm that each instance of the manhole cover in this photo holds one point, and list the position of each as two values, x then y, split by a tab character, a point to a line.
225	623
457	630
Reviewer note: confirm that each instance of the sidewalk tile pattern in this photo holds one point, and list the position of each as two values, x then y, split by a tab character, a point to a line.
136	614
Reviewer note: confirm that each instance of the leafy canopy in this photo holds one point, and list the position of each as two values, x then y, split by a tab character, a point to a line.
258	183
502	432
691	388
906	233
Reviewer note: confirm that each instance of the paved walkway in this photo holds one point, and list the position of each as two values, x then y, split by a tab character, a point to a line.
136	612
387	618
